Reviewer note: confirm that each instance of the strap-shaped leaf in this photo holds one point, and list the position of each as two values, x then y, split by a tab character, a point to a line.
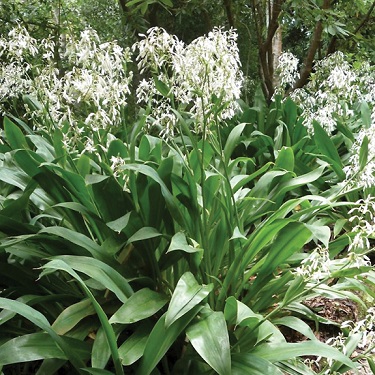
272	352
188	294
288	241
14	135
37	346
100	271
72	315
171	201
133	348
245	363
210	339
59	264
40	320
139	306
162	338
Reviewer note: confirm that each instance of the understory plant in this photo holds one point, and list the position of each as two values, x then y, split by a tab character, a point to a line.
185	251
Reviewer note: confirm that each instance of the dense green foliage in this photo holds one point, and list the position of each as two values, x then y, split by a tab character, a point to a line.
191	233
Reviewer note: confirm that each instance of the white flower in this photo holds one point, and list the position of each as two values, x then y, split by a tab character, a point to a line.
316	266
195	75
287	70
334	90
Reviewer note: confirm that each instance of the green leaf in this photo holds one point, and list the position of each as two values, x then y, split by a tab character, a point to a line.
32	102
119	224
140	305
371	363
320	233
167	3
285	159
133	2
144	233
276	352
365	114
161	339
78	239
210	339
171	201
133	348
239	181
40	320
72	315
100	350
179	242
297	325
325	144
37	346
83	165
161	87
97	371
92	179
245	363
233	140
289	241
58	144
188	294
14	135
363	153
296	287
237	234
117	148
59	264
99	271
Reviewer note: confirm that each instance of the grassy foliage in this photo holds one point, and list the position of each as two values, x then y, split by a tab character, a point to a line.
193	251
185	258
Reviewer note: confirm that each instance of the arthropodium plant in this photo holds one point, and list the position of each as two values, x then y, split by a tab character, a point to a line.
157	241
204	241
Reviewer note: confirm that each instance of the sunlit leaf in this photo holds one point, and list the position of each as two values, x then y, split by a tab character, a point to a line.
209	337
188	294
139	306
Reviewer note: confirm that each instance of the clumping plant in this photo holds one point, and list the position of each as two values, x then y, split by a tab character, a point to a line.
189	250
340	97
189	78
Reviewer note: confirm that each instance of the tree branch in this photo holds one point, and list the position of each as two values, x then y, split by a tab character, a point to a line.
228	9
265	49
314	44
366	19
332	45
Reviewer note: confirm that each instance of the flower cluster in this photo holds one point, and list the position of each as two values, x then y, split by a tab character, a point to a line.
357	173
15	69
203	78
366	327
316	266
362	217
93	89
333	92
287	70
87	92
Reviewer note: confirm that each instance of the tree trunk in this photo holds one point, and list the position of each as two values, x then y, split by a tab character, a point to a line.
270	47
